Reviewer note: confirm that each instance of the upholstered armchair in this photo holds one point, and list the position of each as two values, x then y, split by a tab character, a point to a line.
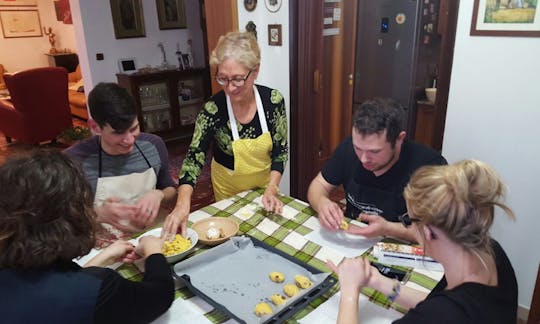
38	110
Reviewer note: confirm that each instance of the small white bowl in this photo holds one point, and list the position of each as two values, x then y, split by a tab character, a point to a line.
190	234
431	94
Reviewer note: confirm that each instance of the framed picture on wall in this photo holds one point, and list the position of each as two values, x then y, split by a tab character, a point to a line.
505	18
274	35
20	23
128	19
19	3
171	14
273	5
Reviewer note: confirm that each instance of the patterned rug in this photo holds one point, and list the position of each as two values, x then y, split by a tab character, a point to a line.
203	194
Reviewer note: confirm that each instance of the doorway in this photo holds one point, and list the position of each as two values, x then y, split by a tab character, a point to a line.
322	54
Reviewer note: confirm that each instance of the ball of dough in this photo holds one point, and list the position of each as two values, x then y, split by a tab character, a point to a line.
344	225
213	233
278	299
276	276
302	281
290	290
262	309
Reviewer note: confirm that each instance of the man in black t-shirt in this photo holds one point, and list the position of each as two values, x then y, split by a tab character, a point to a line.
373	166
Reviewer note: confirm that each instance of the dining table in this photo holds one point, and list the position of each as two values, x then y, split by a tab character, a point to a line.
296	232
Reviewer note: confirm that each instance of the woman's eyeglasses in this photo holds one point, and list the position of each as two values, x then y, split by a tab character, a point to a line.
406	220
237	82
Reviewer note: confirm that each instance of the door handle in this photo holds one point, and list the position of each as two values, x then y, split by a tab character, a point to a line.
317	81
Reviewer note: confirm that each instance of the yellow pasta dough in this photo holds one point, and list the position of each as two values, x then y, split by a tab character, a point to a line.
290	290
278	299
262	309
276	276
344	225
302	281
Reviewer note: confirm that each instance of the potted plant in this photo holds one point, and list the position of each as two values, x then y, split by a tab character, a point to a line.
74	134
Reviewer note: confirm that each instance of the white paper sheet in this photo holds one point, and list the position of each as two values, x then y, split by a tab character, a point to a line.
186	311
369	313
347	244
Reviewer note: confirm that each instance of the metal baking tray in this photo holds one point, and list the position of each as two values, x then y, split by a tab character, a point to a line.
233	277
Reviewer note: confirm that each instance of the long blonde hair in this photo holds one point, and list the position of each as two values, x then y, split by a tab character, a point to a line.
459	199
242	47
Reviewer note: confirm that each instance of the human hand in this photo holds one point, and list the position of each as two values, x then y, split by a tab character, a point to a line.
148	208
270	200
330	215
119	251
376	226
149	245
353	274
113	211
176	220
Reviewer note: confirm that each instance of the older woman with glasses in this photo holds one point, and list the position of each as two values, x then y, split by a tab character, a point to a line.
247	125
452	209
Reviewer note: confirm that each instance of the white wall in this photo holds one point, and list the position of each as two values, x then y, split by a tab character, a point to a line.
94	26
494	115
18	54
274	70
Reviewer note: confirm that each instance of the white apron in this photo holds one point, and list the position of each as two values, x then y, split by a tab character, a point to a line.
128	188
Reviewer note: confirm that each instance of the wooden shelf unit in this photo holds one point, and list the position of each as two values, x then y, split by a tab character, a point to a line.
168	101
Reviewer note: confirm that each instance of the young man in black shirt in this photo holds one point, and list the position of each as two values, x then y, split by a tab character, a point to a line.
373	166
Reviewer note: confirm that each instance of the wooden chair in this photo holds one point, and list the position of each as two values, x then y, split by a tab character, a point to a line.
38	110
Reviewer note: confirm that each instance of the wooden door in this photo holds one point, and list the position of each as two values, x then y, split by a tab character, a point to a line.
220	18
321	86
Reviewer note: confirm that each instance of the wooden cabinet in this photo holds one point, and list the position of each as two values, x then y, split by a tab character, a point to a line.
69	61
168	101
425	122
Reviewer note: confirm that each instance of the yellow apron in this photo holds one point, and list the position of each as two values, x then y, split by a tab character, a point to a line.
251	158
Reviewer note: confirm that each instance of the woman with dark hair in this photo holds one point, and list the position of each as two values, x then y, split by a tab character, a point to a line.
46	220
452	209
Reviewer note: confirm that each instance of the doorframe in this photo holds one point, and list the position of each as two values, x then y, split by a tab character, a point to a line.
303	148
303	99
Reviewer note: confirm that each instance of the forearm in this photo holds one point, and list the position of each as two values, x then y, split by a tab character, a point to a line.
275	179
185	192
348	308
317	194
397	230
407	298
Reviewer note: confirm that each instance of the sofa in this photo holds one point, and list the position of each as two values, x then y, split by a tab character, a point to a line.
76	96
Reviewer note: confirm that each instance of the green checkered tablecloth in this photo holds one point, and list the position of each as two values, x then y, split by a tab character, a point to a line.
285	232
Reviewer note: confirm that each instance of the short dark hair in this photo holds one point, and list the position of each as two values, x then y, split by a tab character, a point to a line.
111	104
379	114
46	211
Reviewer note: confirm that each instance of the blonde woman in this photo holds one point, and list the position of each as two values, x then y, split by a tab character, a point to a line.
247	125
452	209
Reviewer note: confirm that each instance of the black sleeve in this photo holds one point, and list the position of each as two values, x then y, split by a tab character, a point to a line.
340	163
125	301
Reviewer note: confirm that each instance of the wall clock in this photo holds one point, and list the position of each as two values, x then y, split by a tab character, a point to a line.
273	5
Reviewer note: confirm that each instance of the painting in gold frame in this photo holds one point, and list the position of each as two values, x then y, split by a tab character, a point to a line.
20	23
18	3
505	18
128	19
171	14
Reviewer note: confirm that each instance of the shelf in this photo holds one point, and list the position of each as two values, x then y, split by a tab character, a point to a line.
190	102
156	107
158	95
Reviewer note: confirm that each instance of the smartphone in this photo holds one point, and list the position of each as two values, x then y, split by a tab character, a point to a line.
391	272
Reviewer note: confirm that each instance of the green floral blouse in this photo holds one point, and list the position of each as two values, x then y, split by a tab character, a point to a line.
213	127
